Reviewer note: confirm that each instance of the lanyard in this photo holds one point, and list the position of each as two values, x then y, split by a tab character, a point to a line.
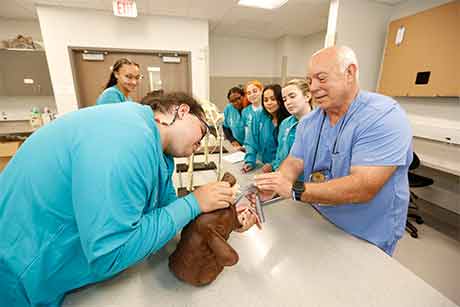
318	139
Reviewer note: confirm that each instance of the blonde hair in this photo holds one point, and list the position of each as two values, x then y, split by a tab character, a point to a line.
304	87
301	84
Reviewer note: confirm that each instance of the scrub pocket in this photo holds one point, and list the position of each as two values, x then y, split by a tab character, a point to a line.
340	165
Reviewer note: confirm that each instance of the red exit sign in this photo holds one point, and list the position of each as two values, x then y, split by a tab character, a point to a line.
124	8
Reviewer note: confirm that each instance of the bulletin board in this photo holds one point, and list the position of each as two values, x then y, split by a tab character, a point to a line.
422	54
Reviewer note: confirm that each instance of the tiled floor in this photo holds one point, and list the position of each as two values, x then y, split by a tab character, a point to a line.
434	257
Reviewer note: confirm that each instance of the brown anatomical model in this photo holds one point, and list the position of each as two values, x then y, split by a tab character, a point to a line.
203	251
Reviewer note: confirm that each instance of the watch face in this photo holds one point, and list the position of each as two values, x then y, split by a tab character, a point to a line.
298	186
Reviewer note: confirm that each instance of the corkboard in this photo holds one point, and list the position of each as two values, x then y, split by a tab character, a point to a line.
431	44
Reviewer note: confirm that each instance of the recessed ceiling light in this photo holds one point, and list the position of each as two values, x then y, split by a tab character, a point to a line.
264	4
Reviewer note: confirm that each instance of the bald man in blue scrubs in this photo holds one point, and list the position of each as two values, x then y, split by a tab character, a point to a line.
354	151
91	194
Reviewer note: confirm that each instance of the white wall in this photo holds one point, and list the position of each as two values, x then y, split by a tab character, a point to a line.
313	43
362	26
10	28
298	50
64	27
241	57
296	58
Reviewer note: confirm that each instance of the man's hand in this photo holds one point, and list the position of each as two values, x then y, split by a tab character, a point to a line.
213	196
246	168
274	182
263	196
267	168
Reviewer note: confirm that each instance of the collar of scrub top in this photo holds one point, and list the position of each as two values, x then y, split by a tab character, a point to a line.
346	118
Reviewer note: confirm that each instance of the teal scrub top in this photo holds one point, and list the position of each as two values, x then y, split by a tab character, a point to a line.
286	137
248	114
233	119
84	198
112	95
375	131
261	141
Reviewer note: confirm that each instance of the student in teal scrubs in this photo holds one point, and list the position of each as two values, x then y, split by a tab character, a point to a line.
261	141
254	99
233	119
91	194
123	80
297	100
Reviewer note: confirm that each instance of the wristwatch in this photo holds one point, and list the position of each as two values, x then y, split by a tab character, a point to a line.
297	189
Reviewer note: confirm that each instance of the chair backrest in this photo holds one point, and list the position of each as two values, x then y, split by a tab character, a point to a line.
415	162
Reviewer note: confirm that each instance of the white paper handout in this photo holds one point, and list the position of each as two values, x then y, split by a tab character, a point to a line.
235	157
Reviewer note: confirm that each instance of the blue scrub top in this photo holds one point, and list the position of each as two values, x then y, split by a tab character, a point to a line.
233	119
261	141
84	198
248	114
286	136
374	132
112	95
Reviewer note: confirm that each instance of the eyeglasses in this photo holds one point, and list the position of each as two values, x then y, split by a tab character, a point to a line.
206	127
176	111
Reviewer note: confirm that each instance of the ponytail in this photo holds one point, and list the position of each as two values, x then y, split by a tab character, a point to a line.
112	80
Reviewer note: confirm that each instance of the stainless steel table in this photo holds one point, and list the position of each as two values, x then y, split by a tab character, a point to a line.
298	259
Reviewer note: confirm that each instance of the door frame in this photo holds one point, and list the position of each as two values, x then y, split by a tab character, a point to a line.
71	50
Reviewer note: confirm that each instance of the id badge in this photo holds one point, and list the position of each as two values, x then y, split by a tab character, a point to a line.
319	176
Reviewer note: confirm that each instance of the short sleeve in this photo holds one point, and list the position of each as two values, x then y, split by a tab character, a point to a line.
385	141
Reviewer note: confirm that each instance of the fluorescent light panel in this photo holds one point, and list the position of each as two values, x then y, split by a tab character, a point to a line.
264	4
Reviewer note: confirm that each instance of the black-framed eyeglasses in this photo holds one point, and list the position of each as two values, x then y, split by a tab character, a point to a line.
207	128
176	112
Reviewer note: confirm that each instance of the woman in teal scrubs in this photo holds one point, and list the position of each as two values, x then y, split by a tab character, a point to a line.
78	207
297	100
261	141
123	80
254	103
233	119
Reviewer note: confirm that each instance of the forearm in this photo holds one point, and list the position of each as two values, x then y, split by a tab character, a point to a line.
228	134
154	230
344	190
291	168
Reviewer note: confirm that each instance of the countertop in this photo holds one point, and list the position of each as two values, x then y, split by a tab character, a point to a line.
298	259
438	155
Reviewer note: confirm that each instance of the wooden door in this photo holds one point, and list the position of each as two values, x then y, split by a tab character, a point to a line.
91	76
